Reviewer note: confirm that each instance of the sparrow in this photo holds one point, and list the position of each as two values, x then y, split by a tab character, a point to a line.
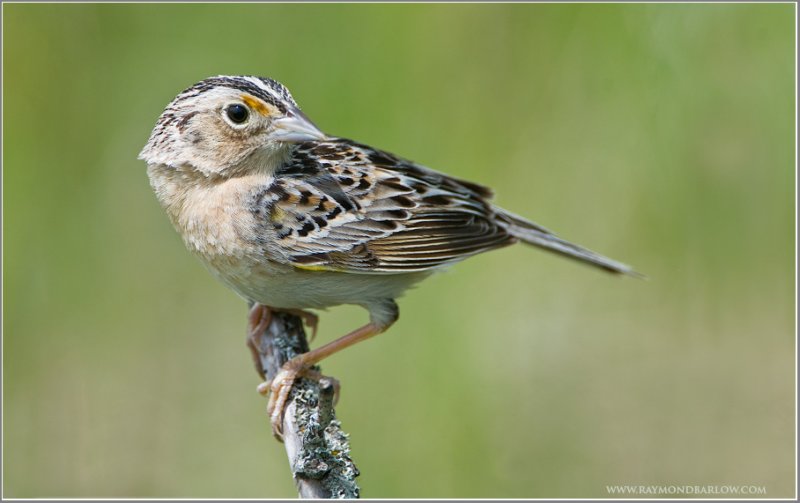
293	219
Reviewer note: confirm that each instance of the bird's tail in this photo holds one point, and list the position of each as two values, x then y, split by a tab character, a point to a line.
535	234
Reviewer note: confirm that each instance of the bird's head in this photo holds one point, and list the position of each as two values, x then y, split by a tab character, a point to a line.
224	125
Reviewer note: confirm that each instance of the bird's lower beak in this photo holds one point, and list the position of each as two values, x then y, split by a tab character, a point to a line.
295	127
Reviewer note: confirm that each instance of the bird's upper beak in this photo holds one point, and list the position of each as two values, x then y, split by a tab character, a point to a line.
295	127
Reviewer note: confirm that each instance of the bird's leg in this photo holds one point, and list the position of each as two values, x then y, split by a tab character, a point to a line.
281	384
310	319
258	320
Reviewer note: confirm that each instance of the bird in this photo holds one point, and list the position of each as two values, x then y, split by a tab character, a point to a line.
292	219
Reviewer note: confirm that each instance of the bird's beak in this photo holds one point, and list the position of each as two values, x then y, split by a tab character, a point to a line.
295	127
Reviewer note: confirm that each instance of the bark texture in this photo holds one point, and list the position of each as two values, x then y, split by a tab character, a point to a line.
317	448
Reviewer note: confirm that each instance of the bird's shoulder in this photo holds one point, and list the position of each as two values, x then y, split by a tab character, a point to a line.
343	205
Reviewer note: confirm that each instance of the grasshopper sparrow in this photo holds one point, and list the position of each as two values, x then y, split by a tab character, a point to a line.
293	219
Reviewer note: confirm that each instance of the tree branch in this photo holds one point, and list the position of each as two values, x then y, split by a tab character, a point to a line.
317	448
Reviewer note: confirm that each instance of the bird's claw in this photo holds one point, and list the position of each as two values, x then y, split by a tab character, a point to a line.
279	387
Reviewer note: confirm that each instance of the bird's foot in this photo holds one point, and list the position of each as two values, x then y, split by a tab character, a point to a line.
280	386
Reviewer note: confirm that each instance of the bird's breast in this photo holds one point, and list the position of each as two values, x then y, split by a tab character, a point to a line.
211	215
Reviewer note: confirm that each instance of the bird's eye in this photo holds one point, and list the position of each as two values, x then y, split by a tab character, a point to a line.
237	113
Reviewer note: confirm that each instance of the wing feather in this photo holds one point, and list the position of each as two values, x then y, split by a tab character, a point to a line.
339	205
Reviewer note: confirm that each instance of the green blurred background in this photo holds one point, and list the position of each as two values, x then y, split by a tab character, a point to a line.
661	135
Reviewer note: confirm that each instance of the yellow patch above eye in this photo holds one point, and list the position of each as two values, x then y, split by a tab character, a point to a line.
257	105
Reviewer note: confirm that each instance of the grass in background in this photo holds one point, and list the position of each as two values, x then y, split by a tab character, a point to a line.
661	135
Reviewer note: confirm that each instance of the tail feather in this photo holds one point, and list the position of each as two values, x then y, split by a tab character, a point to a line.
535	234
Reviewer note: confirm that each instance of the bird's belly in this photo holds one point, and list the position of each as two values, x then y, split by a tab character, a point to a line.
284	286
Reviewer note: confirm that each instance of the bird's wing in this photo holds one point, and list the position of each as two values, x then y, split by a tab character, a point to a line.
338	205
